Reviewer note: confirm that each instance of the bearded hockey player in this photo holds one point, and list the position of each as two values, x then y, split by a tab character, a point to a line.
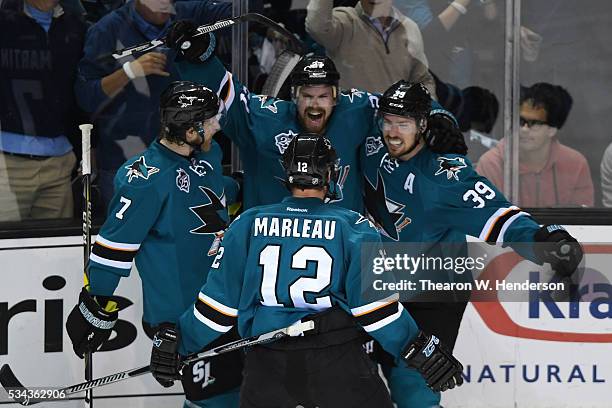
423	197
262	126
167	215
265	279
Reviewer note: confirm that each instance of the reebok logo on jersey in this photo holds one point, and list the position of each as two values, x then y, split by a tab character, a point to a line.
304	210
451	167
139	169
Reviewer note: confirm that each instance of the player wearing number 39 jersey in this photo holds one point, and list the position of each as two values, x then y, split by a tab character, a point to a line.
301	259
426	198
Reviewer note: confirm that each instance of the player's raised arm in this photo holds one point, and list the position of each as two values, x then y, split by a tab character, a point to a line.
205	68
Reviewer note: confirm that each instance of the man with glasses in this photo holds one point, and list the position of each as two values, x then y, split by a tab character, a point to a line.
551	174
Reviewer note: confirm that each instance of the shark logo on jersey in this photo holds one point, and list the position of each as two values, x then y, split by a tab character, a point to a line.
210	214
389	163
186	101
373	145
451	167
182	180
268	103
199	166
385	212
352	93
364	219
139	169
282	140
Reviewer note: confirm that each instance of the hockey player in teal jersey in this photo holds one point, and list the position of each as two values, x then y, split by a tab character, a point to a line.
419	196
302	259
168	214
262	126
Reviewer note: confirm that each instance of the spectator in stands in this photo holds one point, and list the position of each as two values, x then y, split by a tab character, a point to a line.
373	45
606	177
551	174
123	96
40	46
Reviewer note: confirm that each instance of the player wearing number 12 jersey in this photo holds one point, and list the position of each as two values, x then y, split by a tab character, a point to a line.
302	259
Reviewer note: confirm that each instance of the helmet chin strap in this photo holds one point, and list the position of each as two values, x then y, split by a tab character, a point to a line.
199	128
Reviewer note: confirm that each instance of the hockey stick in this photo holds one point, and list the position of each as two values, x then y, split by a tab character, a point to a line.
294	44
22	395
86	170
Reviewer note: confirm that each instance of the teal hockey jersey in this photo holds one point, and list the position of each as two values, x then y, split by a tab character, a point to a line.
263	126
435	198
167	213
282	262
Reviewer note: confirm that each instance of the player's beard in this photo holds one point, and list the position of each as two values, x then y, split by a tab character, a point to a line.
398	147
314	120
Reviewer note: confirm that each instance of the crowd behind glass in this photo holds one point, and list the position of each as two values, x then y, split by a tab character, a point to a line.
53	77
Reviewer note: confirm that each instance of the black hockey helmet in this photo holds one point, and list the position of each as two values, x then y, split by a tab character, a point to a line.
406	99
314	70
183	105
310	161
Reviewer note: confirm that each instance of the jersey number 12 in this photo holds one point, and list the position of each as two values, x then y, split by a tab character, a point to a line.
269	259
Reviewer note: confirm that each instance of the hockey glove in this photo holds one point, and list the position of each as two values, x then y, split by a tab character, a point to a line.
235	208
165	359
194	49
437	365
89	325
443	135
553	244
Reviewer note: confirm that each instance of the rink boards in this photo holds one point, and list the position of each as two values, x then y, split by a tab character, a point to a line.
516	354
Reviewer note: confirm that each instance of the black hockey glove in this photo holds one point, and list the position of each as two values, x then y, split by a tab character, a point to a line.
443	136
437	365
194	49
554	245
235	208
89	325
165	359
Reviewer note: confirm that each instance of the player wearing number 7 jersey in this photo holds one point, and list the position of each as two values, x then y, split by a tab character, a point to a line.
167	215
304	259
426	198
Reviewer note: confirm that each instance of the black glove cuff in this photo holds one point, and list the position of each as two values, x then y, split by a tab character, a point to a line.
414	353
94	314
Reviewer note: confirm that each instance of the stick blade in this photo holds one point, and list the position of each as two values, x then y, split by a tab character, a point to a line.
9	380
